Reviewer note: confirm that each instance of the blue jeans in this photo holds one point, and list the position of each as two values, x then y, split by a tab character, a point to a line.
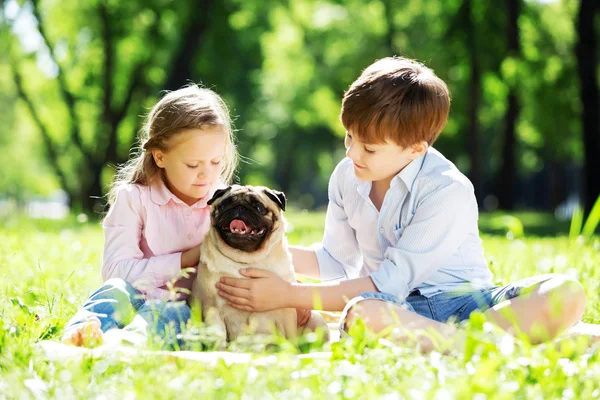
117	304
451	306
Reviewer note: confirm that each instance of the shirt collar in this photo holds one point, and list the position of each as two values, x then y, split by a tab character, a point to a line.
161	195
410	172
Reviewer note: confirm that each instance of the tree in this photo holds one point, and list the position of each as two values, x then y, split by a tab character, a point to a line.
128	52
586	51
507	178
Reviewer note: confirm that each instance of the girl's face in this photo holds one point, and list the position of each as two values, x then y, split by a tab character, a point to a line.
194	162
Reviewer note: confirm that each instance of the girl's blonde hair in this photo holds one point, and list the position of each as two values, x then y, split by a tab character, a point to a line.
190	107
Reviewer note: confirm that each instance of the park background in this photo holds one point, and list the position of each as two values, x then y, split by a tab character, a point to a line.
77	77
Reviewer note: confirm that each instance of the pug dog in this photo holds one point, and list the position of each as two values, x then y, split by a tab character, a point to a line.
247	231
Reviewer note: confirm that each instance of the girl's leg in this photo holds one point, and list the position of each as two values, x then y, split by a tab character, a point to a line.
163	320
315	322
113	305
548	308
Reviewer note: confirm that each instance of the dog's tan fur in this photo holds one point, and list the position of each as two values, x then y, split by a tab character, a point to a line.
218	259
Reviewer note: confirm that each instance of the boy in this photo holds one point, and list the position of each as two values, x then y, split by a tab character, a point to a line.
401	237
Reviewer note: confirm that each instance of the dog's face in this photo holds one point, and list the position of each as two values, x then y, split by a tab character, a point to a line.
247	217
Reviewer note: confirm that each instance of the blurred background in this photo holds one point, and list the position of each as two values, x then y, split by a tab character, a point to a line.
76	78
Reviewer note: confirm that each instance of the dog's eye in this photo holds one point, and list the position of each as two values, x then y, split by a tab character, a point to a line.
224	204
259	207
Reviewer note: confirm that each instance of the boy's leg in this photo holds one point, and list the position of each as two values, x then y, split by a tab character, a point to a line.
548	306
541	307
163	320
379	311
113	305
591	331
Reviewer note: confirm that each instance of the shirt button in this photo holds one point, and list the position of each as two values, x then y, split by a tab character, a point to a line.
189	235
381	230
188	212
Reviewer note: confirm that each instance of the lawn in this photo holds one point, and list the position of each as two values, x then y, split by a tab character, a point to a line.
48	268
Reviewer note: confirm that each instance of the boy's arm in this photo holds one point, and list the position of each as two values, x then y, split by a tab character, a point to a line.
328	296
305	261
440	225
338	255
270	292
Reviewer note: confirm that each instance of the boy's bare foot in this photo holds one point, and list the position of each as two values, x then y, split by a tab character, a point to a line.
591	331
87	334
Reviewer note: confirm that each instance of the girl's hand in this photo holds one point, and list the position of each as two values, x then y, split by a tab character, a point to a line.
265	292
190	258
183	286
303	315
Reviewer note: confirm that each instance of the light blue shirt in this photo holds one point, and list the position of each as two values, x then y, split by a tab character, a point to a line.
424	237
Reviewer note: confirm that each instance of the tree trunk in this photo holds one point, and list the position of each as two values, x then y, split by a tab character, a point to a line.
473	137
91	198
182	72
586	51
508	171
557	187
389	19
284	166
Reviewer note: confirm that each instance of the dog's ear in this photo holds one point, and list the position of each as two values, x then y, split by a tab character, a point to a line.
277	197
218	194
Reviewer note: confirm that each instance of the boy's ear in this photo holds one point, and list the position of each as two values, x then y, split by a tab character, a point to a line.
158	156
277	197
418	149
218	194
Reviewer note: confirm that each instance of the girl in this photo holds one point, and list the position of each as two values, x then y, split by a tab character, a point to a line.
158	217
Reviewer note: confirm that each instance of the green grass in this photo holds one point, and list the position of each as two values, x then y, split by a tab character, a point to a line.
49	268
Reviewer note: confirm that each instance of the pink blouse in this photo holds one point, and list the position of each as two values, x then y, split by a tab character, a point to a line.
145	232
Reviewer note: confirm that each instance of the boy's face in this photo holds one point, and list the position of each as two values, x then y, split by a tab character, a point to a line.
375	162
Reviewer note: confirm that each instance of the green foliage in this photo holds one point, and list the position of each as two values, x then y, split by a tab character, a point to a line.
591	223
576	223
513	225
283	67
592	220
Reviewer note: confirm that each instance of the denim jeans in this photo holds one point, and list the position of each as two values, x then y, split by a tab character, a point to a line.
118	305
450	306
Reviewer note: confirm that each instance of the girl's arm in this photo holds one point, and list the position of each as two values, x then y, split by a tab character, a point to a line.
123	257
190	258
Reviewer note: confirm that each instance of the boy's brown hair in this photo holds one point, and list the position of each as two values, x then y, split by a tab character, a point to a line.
398	100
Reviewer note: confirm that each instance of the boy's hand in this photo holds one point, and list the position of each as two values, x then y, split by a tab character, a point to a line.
266	292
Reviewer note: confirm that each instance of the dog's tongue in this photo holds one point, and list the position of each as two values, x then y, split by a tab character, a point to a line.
238	224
